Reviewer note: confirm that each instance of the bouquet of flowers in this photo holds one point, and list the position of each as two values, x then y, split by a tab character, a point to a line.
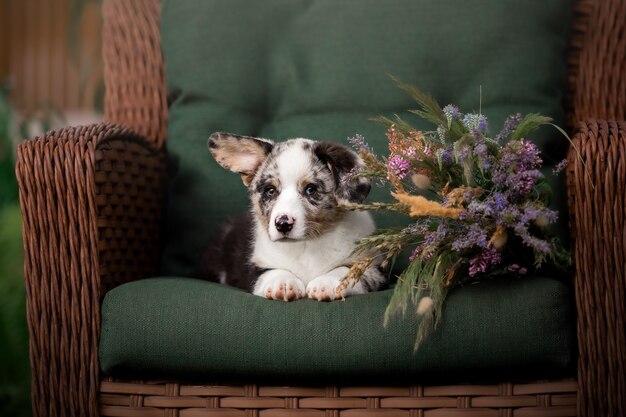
478	203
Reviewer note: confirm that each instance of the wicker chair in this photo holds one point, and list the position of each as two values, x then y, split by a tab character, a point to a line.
91	200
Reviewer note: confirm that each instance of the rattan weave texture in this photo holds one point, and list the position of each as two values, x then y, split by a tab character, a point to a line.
556	398
597	202
130	184
135	92
597	187
597	61
89	197
88	227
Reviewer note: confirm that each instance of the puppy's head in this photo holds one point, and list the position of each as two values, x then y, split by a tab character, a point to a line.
295	186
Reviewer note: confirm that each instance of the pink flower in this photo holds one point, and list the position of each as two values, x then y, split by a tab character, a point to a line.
484	260
399	166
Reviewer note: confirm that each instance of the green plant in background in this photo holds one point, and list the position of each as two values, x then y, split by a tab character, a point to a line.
8	186
14	365
14	368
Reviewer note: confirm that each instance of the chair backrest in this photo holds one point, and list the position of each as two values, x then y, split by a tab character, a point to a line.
136	94
597	61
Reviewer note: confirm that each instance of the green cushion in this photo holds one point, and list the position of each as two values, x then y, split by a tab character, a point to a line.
492	330
319	69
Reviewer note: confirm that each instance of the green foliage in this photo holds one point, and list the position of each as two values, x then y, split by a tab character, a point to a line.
8	185
528	125
422	279
14	365
398	123
430	109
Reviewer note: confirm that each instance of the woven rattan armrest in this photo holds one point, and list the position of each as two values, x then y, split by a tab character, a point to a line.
597	200
91	201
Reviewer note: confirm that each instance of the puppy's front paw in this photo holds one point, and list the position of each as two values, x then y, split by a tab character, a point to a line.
280	287
324	288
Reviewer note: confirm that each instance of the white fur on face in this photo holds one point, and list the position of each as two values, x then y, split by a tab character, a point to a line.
293	165
308	259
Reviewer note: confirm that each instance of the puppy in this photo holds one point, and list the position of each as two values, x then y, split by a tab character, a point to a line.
295	242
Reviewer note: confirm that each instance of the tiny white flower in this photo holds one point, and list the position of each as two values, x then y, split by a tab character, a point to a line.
424	306
421	181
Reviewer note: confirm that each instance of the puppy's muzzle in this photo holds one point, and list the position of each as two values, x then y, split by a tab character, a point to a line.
284	223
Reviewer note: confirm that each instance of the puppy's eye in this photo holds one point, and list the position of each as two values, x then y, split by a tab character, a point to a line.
269	191
310	190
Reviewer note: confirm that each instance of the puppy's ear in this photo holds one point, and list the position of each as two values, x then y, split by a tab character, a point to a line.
240	154
343	163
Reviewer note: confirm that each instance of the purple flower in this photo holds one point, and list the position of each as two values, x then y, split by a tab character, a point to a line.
428	246
359	144
484	260
497	202
399	166
416	252
466	215
560	167
519	155
527	154
535	243
473	236
476	123
482	124
495	206
433	239
533	212
508	216
451	112
510	124
419	251
491	206
444	156
462	152
530	213
480	149
524	182
517	170
349	176
517	268
484	158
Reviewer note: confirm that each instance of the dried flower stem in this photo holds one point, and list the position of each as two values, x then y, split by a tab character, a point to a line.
402	208
420	206
354	275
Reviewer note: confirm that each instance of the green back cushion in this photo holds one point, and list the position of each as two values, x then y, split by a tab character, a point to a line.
210	332
319	69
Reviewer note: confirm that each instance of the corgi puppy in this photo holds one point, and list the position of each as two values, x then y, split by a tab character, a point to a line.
295	241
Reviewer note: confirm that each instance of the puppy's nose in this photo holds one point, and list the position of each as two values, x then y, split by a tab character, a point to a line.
284	223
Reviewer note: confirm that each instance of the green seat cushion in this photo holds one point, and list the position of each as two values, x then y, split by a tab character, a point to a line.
319	69
193	329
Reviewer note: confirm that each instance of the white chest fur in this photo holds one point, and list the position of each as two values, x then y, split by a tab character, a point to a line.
307	259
